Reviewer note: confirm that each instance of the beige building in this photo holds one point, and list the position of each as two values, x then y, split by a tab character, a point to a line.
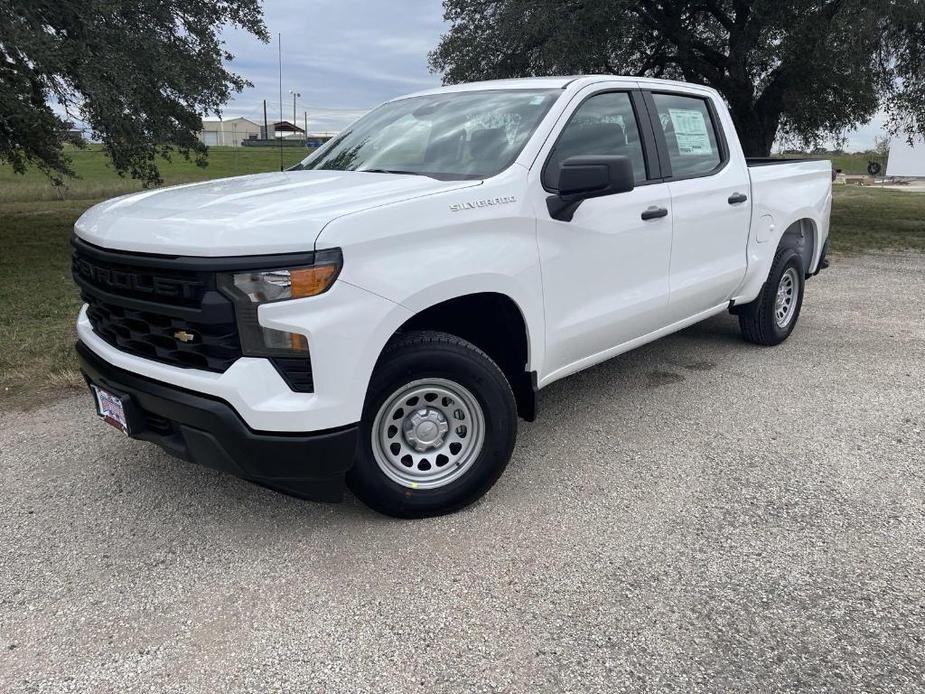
227	132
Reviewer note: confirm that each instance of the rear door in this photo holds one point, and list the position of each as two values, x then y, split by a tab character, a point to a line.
605	272
709	200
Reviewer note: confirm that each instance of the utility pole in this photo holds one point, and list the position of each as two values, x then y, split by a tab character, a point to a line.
305	115
295	95
266	127
279	44
234	144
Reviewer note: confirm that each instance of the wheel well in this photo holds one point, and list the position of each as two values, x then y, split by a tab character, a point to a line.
801	236
494	324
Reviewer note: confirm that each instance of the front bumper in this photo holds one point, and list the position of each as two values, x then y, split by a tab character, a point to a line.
206	430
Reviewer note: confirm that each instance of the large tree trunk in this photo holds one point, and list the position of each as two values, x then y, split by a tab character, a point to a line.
756	130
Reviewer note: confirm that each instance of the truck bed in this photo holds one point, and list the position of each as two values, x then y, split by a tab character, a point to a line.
771	161
788	196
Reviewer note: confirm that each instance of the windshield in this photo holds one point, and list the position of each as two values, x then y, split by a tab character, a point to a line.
447	136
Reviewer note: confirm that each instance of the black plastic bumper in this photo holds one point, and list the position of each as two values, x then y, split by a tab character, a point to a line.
207	430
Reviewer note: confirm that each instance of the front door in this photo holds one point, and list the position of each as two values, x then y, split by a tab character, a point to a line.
605	272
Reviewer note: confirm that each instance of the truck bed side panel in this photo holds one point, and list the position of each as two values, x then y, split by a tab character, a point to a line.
783	195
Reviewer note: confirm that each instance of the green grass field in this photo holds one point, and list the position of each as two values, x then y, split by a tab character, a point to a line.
38	301
848	163
97	180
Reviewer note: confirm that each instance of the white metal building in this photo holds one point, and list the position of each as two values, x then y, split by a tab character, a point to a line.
227	132
906	161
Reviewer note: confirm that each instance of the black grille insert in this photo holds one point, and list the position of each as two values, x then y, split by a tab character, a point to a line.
151	284
162	337
140	305
174	310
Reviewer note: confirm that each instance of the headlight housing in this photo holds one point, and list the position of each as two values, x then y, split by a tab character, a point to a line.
251	288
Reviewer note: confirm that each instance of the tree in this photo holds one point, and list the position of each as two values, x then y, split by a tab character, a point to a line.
882	146
139	73
796	69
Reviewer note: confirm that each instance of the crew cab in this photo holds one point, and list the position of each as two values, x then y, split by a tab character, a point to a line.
381	314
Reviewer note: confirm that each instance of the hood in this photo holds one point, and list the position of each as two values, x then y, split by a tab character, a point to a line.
259	214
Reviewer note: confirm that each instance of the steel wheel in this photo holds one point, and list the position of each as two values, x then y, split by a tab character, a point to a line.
428	433
786	302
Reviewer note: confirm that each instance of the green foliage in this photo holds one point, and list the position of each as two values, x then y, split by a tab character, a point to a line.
796	69
138	72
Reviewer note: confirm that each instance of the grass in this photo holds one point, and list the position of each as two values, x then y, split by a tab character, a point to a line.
38	301
872	219
97	180
847	163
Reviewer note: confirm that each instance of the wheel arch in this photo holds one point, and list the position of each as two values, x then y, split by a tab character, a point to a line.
802	235
495	323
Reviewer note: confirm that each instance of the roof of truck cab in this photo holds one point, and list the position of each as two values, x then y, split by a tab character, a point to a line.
519	83
560	82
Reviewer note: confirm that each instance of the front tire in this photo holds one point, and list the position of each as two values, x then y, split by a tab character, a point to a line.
438	427
770	318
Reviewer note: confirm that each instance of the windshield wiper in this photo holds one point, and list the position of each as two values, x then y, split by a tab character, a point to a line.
393	171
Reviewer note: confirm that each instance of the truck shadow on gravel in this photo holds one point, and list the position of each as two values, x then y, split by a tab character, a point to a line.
672	359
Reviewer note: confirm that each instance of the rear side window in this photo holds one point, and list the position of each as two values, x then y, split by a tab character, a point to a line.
690	134
603	124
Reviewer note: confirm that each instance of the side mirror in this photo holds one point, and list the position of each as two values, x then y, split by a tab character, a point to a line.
589	176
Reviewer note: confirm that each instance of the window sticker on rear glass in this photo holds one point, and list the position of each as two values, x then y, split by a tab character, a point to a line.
691	130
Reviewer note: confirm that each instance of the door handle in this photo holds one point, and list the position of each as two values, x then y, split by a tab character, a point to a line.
654	213
736	198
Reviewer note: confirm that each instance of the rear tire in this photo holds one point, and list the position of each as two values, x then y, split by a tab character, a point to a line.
438	427
770	318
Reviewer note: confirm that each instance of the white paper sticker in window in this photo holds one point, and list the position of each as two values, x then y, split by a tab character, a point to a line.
690	128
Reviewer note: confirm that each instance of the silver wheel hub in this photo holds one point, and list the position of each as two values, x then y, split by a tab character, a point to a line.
786	301
428	433
424	429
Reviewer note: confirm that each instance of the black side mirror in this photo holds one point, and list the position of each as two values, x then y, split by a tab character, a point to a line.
589	176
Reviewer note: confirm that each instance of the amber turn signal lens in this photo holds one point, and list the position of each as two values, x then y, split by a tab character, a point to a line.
298	343
310	281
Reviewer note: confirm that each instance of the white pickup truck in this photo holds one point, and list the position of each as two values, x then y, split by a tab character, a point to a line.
381	314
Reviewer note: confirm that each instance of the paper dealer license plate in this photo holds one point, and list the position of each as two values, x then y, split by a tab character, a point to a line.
111	408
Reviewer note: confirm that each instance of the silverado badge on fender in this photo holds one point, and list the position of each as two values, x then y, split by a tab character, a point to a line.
472	205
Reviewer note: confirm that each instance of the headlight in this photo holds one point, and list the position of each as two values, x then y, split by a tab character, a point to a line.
275	285
251	288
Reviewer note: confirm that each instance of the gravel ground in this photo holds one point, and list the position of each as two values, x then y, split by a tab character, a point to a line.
698	515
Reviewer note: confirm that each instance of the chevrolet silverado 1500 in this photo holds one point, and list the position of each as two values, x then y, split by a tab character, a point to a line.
381	314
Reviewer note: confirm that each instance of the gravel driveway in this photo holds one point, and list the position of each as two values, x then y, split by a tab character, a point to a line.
697	515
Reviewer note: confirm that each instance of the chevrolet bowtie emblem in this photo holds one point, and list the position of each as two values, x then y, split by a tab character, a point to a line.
183	336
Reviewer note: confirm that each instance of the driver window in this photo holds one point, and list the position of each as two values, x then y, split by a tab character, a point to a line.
603	124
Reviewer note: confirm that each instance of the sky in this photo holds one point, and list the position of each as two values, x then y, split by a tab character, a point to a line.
343	56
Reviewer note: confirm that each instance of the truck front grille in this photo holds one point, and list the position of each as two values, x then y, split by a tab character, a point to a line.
141	305
153	335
